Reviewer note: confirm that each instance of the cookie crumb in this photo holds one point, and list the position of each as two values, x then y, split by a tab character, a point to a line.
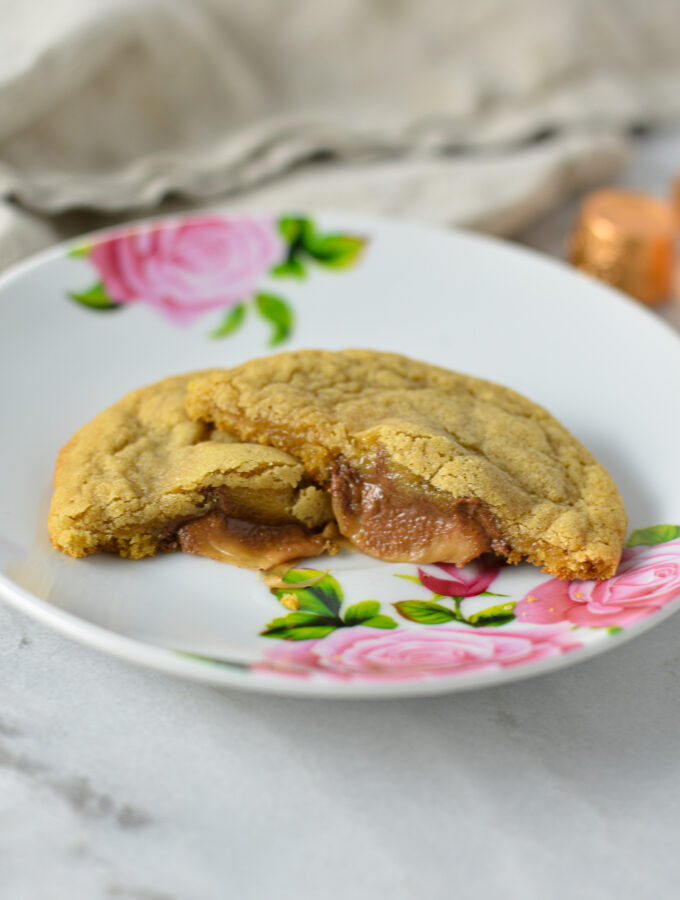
290	601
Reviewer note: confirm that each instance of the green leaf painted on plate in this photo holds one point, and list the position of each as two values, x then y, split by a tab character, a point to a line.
213	660
278	313
231	322
655	534
289	268
493	615
81	251
308	633
336	251
357	613
380	622
413	578
614	629
324	597
95	298
299	626
297	231
424	612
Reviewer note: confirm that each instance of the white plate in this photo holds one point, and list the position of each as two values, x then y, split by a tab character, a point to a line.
605	367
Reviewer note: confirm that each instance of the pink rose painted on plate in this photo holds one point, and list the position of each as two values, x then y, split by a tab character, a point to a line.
402	654
647	579
451	581
191	266
186	268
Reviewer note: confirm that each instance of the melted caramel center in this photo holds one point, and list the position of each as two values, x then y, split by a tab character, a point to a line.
387	516
251	545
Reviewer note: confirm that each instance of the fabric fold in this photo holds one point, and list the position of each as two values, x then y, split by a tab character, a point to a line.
410	108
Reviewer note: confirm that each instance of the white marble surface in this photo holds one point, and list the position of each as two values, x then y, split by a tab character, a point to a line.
119	783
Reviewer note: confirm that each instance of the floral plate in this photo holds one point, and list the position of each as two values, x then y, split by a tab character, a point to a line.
82	324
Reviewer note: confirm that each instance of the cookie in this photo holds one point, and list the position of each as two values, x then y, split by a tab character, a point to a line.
143	477
423	464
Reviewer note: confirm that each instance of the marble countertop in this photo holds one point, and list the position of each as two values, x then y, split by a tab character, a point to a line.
120	783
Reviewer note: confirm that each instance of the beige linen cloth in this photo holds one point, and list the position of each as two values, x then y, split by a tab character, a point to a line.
481	113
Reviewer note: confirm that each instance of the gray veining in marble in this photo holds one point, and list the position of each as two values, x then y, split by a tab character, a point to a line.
115	782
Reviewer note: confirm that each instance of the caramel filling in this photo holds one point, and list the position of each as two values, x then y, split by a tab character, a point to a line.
380	510
386	515
251	545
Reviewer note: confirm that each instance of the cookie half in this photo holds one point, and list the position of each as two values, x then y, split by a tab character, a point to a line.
423	464
143	477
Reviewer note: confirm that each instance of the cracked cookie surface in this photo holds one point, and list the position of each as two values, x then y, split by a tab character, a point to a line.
142	476
415	455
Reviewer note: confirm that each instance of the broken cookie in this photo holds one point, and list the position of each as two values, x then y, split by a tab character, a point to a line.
143	477
423	464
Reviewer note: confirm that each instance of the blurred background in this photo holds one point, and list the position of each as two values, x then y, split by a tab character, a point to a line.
489	114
